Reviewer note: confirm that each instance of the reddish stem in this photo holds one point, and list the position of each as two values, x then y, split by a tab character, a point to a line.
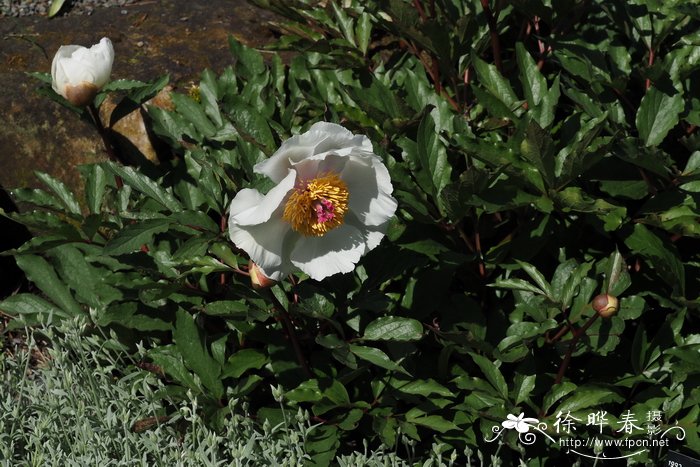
421	11
578	334
650	62
495	41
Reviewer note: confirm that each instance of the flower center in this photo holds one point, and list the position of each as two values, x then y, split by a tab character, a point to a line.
317	206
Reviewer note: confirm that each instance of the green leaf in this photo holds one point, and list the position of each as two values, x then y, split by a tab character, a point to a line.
660	255
517	284
492	373
524	384
194	113
30	308
588	396
86	280
376	357
242	361
393	328
145	185
534	84
191	345
432	153
55	7
538	148
95	185
434	422
227	308
251	123
61	190
173	366
248	61
494	82
658	113
133	236
538	277
421	387
363	32
40	272
617	277
556	393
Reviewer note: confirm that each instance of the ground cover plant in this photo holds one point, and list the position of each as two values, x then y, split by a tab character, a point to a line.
539	277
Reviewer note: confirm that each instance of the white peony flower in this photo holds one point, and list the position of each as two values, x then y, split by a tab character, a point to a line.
520	423
78	73
331	205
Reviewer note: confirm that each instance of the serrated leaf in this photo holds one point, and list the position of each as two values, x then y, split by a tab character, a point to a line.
145	185
538	277
29	307
133	236
376	357
191	345
432	154
95	185
422	387
534	84
194	113
524	384
517	284
40	272
658	113
61	190
493	374
393	328
434	422
660	255
494	82
588	396
242	361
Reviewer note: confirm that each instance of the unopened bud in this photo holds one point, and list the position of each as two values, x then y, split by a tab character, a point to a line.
257	278
605	305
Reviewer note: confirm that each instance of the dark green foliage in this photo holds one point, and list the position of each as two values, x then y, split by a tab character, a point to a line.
541	155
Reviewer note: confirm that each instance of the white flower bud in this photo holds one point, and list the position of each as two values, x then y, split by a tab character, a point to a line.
78	73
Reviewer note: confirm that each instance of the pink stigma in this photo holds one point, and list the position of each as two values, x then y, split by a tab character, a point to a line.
324	210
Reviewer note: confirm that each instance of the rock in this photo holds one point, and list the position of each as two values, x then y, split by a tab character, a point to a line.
130	132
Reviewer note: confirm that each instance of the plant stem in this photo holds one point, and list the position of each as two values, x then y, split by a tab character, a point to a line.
650	62
578	334
495	41
291	334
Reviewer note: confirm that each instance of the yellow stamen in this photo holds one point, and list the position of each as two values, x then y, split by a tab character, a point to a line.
317	206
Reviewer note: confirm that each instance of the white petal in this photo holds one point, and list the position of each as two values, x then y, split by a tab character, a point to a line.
372	239
315	166
266	244
373	235
102	60
59	79
370	189
321	138
249	207
336	252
